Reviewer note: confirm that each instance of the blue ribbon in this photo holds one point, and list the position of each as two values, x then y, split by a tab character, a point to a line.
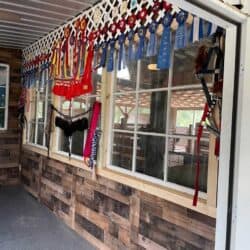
140	49
104	55
122	58
180	36
110	66
209	29
163	60
131	55
201	32
152	44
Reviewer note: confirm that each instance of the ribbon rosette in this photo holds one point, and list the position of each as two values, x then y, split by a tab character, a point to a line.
163	60
180	37
152	44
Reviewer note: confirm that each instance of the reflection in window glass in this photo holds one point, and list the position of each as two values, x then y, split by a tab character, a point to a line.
152	110
186	111
122	150
39	105
124	112
126	78
3	95
32	127
40	134
2	117
182	160
150	155
150	76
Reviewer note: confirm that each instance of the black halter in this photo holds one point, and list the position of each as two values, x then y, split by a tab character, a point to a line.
69	124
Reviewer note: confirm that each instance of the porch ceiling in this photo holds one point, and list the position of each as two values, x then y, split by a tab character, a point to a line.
22	22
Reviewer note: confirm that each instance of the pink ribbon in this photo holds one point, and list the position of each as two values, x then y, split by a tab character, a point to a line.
91	132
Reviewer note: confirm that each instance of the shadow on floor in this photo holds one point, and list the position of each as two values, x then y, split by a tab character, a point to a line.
26	224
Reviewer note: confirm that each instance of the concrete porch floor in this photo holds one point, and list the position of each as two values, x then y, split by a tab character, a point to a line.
26	224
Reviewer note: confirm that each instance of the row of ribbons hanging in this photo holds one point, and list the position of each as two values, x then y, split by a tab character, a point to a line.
76	55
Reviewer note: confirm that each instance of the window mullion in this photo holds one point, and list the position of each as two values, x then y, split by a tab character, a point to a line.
110	117
138	78
170	80
46	105
37	107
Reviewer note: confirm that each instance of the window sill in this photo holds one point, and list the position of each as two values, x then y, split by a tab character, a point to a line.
58	156
177	197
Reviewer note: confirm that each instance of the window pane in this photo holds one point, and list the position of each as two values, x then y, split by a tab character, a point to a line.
2	117
152	111
3	75
182	161
150	77
40	111
122	153
124	116
77	143
184	65
97	81
2	96
40	134
32	133
126	78
150	155
186	111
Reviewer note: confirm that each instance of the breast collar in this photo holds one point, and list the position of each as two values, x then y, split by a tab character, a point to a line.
212	98
69	125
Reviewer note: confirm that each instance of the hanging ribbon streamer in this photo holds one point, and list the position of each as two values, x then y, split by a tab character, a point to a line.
94	148
180	37
122	53
110	65
211	29
163	60
201	32
199	134
91	132
131	54
104	55
141	45
86	81
152	44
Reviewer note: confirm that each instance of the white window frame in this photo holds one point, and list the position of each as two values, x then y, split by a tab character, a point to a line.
37	96
135	131
6	108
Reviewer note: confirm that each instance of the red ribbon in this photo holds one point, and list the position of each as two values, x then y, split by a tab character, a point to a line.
199	134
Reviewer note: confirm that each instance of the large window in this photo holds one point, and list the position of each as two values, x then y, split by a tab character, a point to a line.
155	118
4	92
40	99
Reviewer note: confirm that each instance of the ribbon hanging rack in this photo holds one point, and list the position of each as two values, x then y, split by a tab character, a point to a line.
101	19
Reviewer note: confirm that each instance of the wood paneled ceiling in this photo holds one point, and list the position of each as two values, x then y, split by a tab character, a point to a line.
23	22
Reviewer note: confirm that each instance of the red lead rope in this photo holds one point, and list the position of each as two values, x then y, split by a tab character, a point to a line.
199	134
